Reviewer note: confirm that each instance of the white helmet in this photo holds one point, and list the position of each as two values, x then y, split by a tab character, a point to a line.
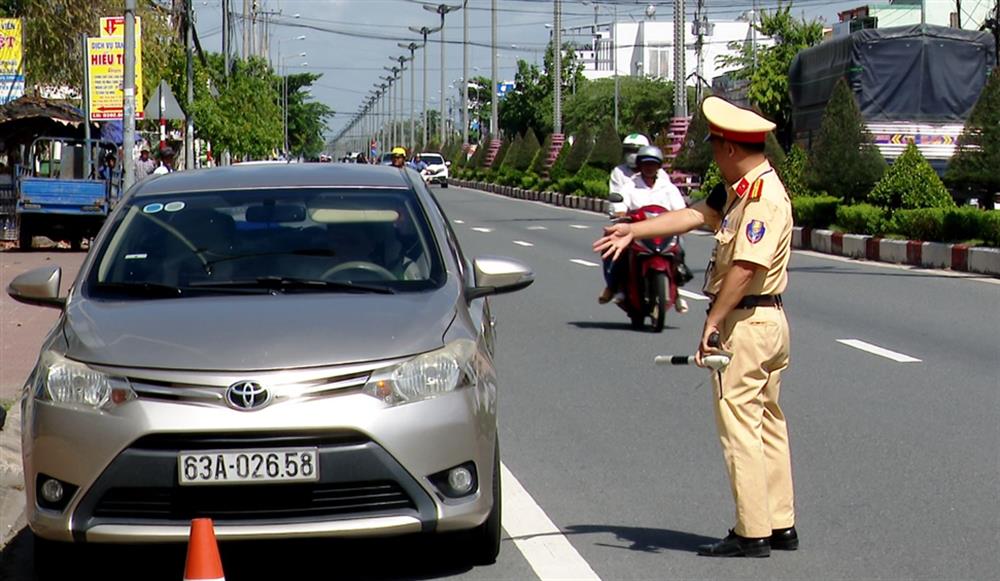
631	145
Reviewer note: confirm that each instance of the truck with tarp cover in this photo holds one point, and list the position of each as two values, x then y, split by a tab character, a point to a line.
912	83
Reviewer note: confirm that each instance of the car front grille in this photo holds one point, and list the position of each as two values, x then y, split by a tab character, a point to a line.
254	502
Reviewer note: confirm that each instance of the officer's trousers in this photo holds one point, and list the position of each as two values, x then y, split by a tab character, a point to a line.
751	425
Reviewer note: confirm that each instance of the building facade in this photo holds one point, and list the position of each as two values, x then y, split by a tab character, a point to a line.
970	15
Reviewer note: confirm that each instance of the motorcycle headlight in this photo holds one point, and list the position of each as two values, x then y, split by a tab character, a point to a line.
72	384
425	376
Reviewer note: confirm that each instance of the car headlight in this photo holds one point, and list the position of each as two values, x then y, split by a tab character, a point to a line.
425	376
72	384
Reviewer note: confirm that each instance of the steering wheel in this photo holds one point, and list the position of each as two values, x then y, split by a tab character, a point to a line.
363	265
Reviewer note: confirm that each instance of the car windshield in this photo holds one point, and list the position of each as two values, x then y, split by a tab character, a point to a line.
432	159
266	241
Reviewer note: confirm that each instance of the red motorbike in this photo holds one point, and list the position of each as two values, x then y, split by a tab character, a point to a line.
649	274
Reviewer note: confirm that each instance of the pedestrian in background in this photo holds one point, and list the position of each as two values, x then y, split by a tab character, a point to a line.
144	166
752	220
166	161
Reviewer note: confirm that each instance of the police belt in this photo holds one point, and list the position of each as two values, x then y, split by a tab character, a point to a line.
754	301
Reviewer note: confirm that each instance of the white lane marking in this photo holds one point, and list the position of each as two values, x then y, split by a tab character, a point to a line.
691	295
579	226
537	228
483	230
523	243
583	262
543	545
460	221
876	350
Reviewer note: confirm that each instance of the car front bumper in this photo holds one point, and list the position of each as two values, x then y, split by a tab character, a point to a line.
374	460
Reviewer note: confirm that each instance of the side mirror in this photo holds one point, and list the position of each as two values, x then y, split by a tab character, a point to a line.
447	163
615	198
38	287
496	275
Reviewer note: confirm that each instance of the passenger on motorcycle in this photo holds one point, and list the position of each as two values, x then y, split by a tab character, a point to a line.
621	175
648	186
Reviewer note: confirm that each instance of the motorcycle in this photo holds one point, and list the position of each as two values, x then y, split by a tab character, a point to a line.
650	279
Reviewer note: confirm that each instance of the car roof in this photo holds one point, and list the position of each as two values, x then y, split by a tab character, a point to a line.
275	176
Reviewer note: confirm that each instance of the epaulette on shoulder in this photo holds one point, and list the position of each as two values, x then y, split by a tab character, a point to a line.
756	190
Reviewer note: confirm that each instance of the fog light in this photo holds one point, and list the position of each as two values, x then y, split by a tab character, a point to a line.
460	480
52	491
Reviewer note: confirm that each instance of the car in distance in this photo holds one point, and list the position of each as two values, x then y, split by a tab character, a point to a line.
296	350
436	171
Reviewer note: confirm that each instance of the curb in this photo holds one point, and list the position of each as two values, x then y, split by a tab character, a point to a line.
934	255
12	499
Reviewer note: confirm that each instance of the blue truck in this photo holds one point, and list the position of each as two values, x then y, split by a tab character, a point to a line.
57	194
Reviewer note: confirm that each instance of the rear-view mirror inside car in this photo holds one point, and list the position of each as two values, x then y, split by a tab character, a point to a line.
276	213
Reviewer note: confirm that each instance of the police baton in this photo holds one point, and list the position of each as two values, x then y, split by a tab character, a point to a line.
715	361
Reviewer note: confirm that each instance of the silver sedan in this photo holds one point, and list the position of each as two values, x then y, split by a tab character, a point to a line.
293	351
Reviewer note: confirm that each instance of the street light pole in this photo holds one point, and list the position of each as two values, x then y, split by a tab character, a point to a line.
128	87
412	47
465	73
424	31
443	10
494	100
557	57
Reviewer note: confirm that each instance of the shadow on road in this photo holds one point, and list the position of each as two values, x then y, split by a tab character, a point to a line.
644	539
610	326
411	557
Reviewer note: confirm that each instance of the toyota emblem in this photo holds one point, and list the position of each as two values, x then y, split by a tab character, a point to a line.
247	396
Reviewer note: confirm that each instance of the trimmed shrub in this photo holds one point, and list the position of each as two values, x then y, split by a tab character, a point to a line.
582	146
513	154
695	155
538	163
505	146
973	168
792	173
595	188
844	161
607	152
911	183
814	211
558	170
529	149
773	151
966	223
920	224
479	157
990	228
863	219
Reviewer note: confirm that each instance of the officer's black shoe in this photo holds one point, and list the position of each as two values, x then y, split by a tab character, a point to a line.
737	546
784	539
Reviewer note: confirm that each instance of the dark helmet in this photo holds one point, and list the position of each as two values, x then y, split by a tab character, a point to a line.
649	153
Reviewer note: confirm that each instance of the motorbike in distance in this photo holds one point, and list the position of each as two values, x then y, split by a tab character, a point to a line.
650	275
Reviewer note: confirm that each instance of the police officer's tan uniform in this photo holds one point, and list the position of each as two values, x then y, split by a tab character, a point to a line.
756	228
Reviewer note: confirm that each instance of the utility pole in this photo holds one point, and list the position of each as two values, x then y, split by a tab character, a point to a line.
128	88
412	47
702	28
494	100
443	10
465	73
226	34
680	67
87	162
557	58
424	31
189	114
246	29
958	13
923	12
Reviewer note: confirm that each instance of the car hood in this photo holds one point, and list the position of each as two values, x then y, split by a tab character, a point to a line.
258	332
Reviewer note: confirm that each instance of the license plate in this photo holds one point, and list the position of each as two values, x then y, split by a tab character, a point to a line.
205	467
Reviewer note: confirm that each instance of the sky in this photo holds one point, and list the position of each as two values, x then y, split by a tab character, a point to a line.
350	41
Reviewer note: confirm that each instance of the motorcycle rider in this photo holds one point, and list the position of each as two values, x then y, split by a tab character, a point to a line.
398	157
649	185
624	172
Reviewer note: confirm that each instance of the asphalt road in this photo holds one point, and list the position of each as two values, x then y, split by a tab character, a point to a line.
896	463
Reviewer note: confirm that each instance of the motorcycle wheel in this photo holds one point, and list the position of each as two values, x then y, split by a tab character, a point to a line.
658	296
638	322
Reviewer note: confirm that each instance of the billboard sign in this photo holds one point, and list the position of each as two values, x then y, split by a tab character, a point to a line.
11	59
106	70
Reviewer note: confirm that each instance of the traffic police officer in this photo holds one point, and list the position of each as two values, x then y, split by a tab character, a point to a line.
752	219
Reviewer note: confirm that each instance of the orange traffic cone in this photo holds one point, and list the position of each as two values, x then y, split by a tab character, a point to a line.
203	561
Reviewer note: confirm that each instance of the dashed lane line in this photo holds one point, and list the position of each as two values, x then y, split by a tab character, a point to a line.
541	542
579	226
537	228
460	221
523	243
582	262
483	230
876	350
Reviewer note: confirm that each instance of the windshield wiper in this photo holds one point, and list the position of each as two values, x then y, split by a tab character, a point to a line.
142	289
284	283
298	252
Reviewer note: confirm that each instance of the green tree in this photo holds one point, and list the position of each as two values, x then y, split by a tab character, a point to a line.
529	149
541	156
766	68
530	103
844	161
513	153
645	104
792	173
306	118
974	168
911	183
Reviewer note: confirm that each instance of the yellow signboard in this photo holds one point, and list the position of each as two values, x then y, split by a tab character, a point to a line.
11	55
106	71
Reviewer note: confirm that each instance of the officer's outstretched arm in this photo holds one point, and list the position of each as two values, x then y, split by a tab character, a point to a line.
678	222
